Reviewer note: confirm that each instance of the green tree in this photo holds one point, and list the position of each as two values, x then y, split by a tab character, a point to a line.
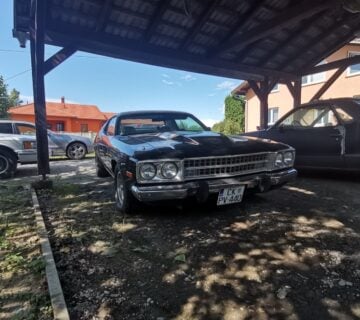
14	98
4	99
7	100
234	122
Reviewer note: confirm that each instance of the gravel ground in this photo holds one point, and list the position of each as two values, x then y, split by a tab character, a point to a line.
292	253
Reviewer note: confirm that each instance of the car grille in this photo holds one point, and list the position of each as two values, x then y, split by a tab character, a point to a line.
226	166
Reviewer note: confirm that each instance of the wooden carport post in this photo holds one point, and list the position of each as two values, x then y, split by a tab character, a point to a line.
262	90
37	48
295	90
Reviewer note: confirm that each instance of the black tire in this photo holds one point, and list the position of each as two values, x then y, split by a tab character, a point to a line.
76	151
8	164
101	172
124	199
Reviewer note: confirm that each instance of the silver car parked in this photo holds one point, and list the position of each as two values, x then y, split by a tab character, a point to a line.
73	146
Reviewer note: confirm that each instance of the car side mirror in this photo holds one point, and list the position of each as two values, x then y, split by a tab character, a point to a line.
208	128
281	128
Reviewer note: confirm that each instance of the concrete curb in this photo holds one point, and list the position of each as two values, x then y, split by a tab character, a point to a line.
55	291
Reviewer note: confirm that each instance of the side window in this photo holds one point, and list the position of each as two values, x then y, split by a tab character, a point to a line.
5	128
348	114
25	129
305	118
110	131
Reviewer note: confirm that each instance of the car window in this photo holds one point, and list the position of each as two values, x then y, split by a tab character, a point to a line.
315	117
348	113
25	129
110	131
5	128
188	124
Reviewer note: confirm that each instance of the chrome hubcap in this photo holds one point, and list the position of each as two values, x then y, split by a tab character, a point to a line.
77	151
4	164
119	193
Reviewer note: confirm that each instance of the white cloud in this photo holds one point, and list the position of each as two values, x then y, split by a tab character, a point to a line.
210	122
165	75
226	85
188	77
211	94
167	82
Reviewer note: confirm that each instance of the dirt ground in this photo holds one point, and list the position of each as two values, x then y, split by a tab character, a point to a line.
23	289
292	253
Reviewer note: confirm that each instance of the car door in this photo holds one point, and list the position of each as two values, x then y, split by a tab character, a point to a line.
316	134
348	113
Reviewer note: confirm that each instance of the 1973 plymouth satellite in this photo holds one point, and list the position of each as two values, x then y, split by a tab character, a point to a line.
162	155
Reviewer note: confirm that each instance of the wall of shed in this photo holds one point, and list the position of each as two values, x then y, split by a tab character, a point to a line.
345	86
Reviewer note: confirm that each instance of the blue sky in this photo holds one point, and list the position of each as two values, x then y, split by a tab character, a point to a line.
112	84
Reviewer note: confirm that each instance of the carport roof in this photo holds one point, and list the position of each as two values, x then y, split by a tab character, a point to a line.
243	39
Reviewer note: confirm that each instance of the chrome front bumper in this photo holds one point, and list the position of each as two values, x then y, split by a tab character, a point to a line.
202	188
27	156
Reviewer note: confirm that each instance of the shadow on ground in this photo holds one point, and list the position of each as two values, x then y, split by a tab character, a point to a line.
289	254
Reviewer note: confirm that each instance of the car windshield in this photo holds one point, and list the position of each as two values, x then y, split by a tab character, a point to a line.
156	123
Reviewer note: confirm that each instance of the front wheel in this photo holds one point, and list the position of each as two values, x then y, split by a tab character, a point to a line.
124	199
76	151
8	164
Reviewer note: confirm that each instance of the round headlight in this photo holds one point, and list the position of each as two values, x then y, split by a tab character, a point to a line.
169	170
147	171
279	160
288	158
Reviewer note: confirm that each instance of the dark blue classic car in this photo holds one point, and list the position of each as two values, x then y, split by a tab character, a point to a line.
325	134
162	155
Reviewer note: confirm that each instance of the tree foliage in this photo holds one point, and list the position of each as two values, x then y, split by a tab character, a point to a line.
7	100
234	122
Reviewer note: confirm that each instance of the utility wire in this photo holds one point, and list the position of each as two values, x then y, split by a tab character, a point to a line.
16	75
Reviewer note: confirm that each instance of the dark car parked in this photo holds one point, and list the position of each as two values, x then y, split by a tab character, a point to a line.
162	155
325	134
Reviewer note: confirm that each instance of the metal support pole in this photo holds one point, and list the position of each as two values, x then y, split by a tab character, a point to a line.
37	47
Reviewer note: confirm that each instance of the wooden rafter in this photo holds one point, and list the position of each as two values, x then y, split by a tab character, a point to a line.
328	83
252	11
154	21
286	18
58	58
104	16
199	23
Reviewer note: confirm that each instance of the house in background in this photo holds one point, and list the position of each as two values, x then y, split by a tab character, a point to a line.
62	116
281	101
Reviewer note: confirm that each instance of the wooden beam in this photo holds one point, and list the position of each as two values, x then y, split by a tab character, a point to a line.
37	49
243	20
104	15
295	91
328	83
333	65
255	87
264	104
199	23
58	58
154	20
140	51
288	17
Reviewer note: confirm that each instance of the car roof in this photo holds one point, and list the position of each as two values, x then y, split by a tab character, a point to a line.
149	112
15	121
330	101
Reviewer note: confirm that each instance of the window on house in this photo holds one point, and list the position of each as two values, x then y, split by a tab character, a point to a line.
314	78
84	127
355	68
60	126
273	115
275	88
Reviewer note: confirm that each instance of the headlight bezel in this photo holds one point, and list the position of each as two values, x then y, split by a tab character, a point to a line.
159	176
148	165
283	163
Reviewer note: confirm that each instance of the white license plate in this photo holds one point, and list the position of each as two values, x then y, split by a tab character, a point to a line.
230	195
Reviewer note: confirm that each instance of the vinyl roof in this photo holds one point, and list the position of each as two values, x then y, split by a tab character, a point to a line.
243	39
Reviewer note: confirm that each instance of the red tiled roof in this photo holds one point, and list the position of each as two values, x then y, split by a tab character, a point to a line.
58	109
108	115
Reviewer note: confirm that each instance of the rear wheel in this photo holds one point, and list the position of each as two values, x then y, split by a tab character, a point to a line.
8	164
76	151
124	200
101	172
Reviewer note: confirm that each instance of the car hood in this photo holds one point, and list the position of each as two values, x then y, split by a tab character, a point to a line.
185	144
